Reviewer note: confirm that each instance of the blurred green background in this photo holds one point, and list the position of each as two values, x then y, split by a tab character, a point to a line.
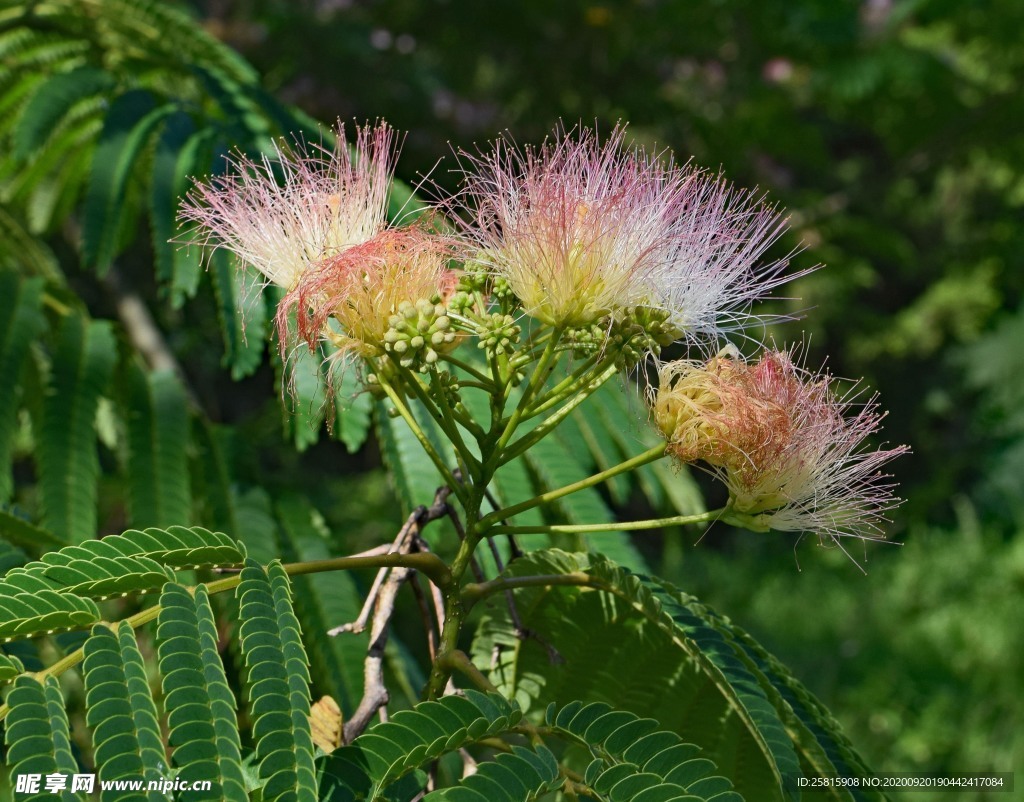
891	131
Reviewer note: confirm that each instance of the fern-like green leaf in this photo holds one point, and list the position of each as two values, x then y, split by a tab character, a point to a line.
52	101
68	463
121	712
20	321
245	120
304	415
415	477
24	615
135	562
127	128
626	756
353	409
632	758
11	557
168	184
278	678
823	748
156	414
10	667
323	601
23	253
30	56
247	512
99	578
211	471
241	311
194	158
521	775
694	682
165	34
38	737
197	699
49	184
16	530
413	738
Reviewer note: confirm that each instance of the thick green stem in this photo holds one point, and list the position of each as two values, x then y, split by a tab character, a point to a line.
457	660
657	452
454	609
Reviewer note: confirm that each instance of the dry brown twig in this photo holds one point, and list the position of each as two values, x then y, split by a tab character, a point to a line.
378	609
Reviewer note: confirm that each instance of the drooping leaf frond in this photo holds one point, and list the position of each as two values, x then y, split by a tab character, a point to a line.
412	738
278	678
24	615
199	704
38	737
238	291
623	755
702	678
520	774
121	712
10	667
156	415
20	321
634	759
68	463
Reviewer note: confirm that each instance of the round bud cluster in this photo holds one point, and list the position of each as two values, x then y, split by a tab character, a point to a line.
389	373
499	334
418	332
447	385
461	302
589	338
640	332
473	279
502	290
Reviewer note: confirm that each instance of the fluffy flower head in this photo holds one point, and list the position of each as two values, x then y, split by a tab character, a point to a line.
582	229
323	203
708	272
789	449
383	295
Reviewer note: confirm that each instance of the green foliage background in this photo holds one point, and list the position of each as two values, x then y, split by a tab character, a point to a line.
890	130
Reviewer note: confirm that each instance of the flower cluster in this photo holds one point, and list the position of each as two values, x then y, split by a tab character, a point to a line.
582	245
788	447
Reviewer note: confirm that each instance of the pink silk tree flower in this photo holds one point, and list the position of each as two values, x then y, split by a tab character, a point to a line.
385	296
287	215
789	448
582	229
